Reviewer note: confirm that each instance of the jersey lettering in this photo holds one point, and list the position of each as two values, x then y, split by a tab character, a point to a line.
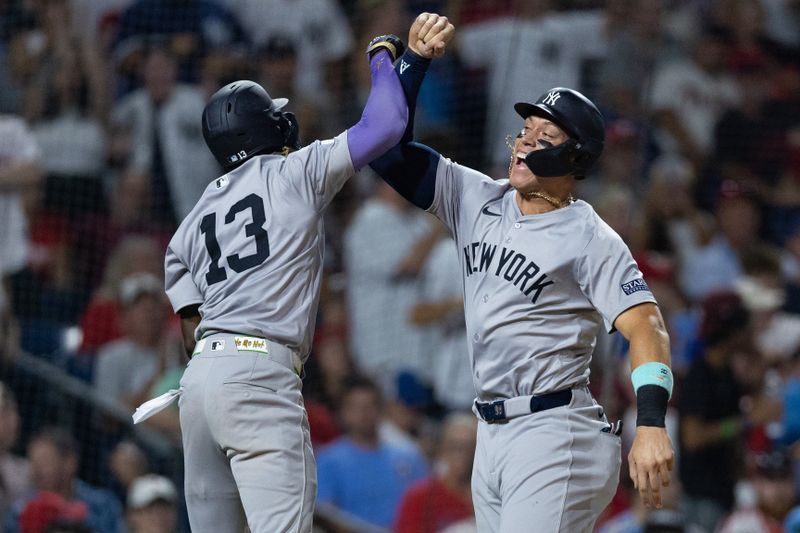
255	229
208	227
512	266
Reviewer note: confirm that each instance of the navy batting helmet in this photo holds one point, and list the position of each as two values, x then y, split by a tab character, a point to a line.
241	120
580	119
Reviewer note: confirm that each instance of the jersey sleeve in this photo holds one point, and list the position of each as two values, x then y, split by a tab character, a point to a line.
455	185
178	282
610	278
320	170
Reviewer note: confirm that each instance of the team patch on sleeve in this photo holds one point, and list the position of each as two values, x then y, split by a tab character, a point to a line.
635	285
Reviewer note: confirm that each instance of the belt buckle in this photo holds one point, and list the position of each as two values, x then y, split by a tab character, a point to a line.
493	411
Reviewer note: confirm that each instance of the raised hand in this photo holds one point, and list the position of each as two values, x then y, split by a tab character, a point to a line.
429	35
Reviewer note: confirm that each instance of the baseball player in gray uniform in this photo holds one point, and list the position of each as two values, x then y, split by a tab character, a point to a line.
243	271
542	274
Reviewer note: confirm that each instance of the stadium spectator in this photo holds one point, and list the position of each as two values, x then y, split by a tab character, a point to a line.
782	118
169	164
776	333
441	311
20	174
764	498
324	40
386	246
621	165
100	322
528	53
688	95
129	367
152	505
16	27
715	264
15	476
711	421
127	462
759	162
188	28
53	455
67	110
633	53
444	498
49	509
67	102
277	68
359	474
670	215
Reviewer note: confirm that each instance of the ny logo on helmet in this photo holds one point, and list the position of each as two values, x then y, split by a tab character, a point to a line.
551	98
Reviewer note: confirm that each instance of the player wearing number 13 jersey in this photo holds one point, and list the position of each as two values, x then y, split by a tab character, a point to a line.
243	271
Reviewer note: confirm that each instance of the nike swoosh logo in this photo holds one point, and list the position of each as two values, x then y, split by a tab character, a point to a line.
486	211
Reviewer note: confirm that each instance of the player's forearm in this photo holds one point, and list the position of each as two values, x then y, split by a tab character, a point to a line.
411	71
649	352
385	114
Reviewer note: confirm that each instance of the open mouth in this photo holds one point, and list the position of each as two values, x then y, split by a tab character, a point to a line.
519	160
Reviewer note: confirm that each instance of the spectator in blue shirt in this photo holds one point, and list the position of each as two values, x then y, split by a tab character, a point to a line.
53	455
359	474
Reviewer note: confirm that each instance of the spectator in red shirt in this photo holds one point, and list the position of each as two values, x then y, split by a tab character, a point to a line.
444	498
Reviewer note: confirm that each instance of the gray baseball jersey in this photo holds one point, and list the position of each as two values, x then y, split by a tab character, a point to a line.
537	288
250	252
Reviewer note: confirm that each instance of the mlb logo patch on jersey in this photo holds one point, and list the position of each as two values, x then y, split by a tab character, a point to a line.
221	182
217	346
634	286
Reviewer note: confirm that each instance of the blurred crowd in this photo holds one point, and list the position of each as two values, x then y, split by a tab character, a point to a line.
101	155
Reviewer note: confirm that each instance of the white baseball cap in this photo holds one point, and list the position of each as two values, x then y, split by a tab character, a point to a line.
150	488
138	284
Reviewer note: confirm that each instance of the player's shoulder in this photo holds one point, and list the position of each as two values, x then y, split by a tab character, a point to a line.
590	225
471	179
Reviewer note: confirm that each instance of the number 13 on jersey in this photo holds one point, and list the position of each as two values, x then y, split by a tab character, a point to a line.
254	229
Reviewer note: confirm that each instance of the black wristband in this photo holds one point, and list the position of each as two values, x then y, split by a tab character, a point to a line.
651	405
411	70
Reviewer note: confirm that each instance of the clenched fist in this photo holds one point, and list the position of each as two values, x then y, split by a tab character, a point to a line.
429	35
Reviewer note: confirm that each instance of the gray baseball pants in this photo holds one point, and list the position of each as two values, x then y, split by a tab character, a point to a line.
247	447
550	472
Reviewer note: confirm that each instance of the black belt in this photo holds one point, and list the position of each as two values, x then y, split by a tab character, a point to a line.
502	410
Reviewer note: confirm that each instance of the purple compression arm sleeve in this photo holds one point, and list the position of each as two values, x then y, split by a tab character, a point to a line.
385	114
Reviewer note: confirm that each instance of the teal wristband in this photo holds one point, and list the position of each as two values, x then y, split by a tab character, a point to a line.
652	374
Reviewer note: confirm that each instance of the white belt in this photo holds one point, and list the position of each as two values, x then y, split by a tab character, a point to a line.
244	343
278	353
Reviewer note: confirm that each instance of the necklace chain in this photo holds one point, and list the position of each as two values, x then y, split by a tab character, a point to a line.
552	200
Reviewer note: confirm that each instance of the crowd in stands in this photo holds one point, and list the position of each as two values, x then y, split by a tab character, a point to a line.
101	156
